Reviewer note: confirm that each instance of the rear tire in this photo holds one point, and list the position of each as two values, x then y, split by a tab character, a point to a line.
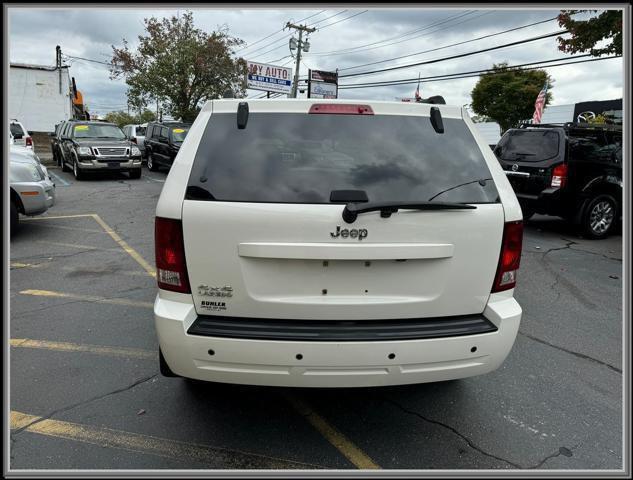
15	217
150	163
165	371
134	174
599	217
63	164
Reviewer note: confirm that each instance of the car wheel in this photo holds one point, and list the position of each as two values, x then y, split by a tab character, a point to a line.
79	175
599	217
135	173
165	371
15	217
64	165
150	163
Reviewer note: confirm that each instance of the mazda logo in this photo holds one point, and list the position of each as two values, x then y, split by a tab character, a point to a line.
515	167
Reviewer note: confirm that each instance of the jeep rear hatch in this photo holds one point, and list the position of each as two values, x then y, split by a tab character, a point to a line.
263	239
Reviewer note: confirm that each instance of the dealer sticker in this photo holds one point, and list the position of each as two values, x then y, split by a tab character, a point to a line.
212	306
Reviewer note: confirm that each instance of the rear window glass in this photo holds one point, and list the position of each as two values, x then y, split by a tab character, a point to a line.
301	158
140	131
16	130
528	145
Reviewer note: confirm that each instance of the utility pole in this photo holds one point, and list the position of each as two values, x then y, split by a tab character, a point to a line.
300	46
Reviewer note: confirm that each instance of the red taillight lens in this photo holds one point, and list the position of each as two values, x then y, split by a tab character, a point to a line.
28	141
171	267
510	257
341	109
559	176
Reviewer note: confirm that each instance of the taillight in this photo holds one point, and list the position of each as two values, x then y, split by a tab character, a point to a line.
170	256
28	141
510	257
341	109
559	176
133	140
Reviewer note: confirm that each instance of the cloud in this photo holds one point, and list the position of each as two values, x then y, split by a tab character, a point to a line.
380	33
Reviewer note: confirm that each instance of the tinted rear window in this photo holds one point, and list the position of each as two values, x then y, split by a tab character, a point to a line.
140	131
528	145
300	158
16	129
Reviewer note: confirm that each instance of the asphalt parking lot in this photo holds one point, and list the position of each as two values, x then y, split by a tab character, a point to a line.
85	392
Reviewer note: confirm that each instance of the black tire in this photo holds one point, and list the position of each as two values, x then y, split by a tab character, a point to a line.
136	173
15	217
599	217
63	164
150	163
79	175
165	371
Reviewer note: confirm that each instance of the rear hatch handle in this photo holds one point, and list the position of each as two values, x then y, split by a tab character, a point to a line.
352	210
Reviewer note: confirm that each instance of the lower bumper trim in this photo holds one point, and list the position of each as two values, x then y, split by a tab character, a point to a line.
340	330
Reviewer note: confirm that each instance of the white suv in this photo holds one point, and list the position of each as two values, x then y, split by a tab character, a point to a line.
331	243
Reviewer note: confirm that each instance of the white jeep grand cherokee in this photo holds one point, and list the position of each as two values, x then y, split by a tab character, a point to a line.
331	243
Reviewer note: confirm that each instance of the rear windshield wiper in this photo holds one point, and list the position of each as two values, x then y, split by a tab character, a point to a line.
352	210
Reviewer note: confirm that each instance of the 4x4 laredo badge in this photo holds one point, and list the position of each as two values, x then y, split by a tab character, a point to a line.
353	233
208	291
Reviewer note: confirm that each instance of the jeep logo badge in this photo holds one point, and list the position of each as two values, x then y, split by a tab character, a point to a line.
347	233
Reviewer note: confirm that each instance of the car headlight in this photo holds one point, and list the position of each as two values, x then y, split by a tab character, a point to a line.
136	152
84	151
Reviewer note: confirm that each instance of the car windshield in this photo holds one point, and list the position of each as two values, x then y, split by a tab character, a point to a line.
179	133
98	131
301	158
528	145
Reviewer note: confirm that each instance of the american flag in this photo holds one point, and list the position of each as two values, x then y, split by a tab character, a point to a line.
539	104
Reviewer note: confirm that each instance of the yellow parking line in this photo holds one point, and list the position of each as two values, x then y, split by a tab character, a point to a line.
88	298
133	253
343	444
216	457
53	217
75	347
78	246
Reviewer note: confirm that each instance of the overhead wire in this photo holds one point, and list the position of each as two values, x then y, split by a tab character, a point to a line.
448	46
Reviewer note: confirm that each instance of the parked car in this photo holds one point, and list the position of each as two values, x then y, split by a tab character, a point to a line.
20	134
32	191
136	134
98	147
331	243
163	141
571	170
56	141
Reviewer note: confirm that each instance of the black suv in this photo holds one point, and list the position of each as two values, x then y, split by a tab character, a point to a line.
162	142
571	170
95	147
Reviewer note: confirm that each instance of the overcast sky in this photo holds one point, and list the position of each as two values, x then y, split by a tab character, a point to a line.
344	38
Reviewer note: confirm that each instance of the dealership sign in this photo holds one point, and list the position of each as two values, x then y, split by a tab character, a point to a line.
269	78
322	84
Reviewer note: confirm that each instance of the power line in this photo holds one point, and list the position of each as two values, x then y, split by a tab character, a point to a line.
87	59
461	55
326	18
448	46
406	81
361	47
455	77
278	31
342	20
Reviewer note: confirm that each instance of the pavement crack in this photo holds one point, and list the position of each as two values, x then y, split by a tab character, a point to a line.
567	246
452	429
82	403
571	352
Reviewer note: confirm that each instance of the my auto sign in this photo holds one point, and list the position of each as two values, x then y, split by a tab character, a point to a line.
269	78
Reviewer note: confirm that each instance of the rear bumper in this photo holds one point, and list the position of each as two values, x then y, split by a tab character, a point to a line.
331	363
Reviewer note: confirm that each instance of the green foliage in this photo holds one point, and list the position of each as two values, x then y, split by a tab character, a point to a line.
586	34
507	95
179	65
600	118
122	118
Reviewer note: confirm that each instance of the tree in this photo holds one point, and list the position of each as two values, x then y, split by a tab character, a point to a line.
507	95
121	118
586	34
179	65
